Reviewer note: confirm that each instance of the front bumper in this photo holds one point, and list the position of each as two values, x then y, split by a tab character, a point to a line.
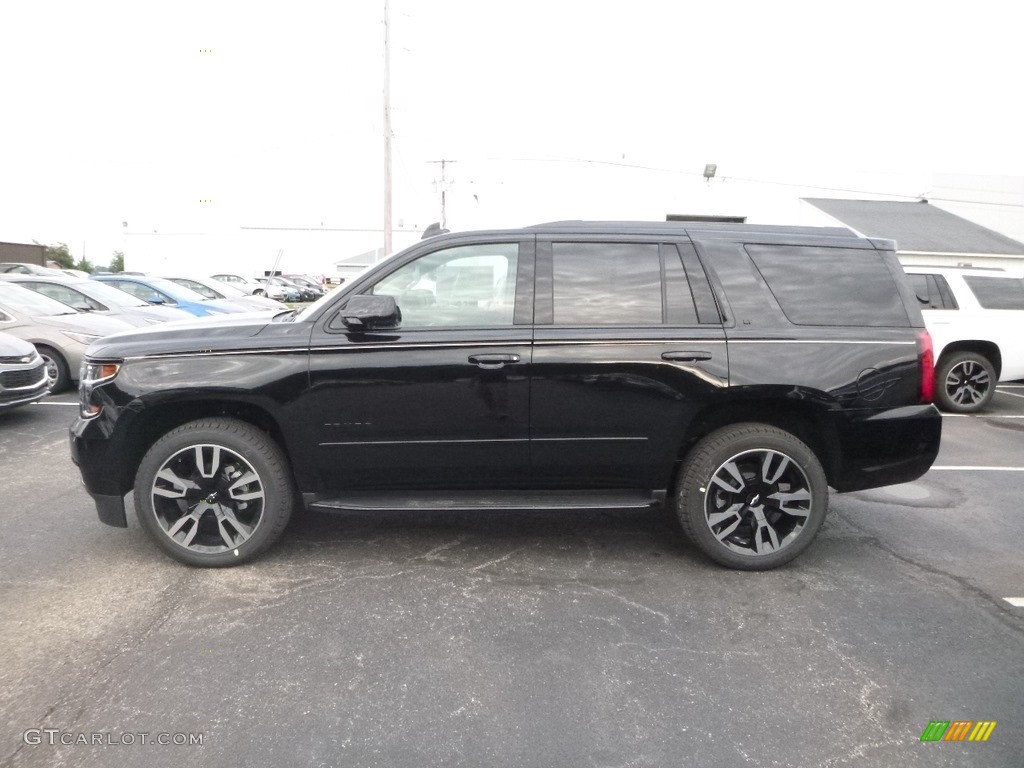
93	457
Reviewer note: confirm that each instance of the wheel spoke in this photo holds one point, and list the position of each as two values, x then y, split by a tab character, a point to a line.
179	486
716	518
767	475
784	500
734	472
761	546
248	479
214	460
179	524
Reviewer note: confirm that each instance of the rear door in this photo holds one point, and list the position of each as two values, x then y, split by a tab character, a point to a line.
628	346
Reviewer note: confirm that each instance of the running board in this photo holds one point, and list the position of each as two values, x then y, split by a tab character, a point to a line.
472	501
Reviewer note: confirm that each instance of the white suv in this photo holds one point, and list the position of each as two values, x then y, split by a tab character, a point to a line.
976	320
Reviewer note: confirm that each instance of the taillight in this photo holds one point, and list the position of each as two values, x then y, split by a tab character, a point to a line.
926	354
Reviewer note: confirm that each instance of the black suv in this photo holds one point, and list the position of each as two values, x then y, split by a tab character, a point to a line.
732	372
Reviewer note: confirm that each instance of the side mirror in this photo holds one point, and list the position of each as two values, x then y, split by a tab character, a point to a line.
81	306
370	313
155	298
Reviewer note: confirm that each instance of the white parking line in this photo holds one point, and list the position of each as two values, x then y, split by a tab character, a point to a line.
983	415
966	468
1016	602
1011	394
49	403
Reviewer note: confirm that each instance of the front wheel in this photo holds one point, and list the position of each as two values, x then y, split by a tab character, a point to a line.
965	382
57	371
751	496
214	492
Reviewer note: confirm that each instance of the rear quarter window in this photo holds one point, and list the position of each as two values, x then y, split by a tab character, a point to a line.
817	285
997	292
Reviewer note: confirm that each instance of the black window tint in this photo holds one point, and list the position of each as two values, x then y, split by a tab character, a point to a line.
703	297
997	292
922	286
945	295
607	284
679	307
830	286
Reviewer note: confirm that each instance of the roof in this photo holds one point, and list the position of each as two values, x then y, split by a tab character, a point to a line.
917	227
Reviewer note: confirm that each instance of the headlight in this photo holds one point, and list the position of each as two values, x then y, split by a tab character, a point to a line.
81	338
90	377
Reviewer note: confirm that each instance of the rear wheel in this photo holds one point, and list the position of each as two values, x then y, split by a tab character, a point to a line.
214	492
751	496
965	382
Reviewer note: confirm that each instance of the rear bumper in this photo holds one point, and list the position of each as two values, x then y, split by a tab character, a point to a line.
887	448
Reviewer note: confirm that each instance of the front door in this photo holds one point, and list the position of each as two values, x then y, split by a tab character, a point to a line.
443	401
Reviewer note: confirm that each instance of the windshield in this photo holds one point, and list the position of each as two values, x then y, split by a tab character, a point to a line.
178	292
23	301
107	294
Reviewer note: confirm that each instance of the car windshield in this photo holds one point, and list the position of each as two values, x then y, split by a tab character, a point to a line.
104	293
175	291
22	300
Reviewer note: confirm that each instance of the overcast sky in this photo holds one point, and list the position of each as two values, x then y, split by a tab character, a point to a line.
135	111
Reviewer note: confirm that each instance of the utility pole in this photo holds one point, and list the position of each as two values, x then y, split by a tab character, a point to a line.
387	127
443	186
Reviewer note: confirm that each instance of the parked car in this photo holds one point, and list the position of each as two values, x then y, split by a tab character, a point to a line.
291	293
76	273
214	289
731	372
306	293
93	296
156	290
59	333
251	287
19	268
308	283
23	377
976	319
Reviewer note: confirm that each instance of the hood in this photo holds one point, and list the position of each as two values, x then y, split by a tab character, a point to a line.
209	334
92	325
13	348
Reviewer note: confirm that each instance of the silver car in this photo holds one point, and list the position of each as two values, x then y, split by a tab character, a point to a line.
23	378
59	333
100	298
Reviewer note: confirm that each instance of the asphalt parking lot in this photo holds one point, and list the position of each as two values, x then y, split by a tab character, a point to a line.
590	639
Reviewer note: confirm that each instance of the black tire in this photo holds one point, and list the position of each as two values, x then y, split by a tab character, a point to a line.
727	496
57	370
964	382
214	492
258	292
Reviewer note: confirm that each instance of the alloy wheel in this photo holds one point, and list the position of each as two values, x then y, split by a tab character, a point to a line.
208	499
967	383
758	502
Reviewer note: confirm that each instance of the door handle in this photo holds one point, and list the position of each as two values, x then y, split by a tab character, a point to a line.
685	357
492	362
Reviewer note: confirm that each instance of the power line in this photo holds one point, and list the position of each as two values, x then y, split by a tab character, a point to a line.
846	190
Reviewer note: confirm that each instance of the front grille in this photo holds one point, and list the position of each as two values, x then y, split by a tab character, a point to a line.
25	378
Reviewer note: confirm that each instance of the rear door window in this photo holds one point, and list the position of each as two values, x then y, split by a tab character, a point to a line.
617	283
